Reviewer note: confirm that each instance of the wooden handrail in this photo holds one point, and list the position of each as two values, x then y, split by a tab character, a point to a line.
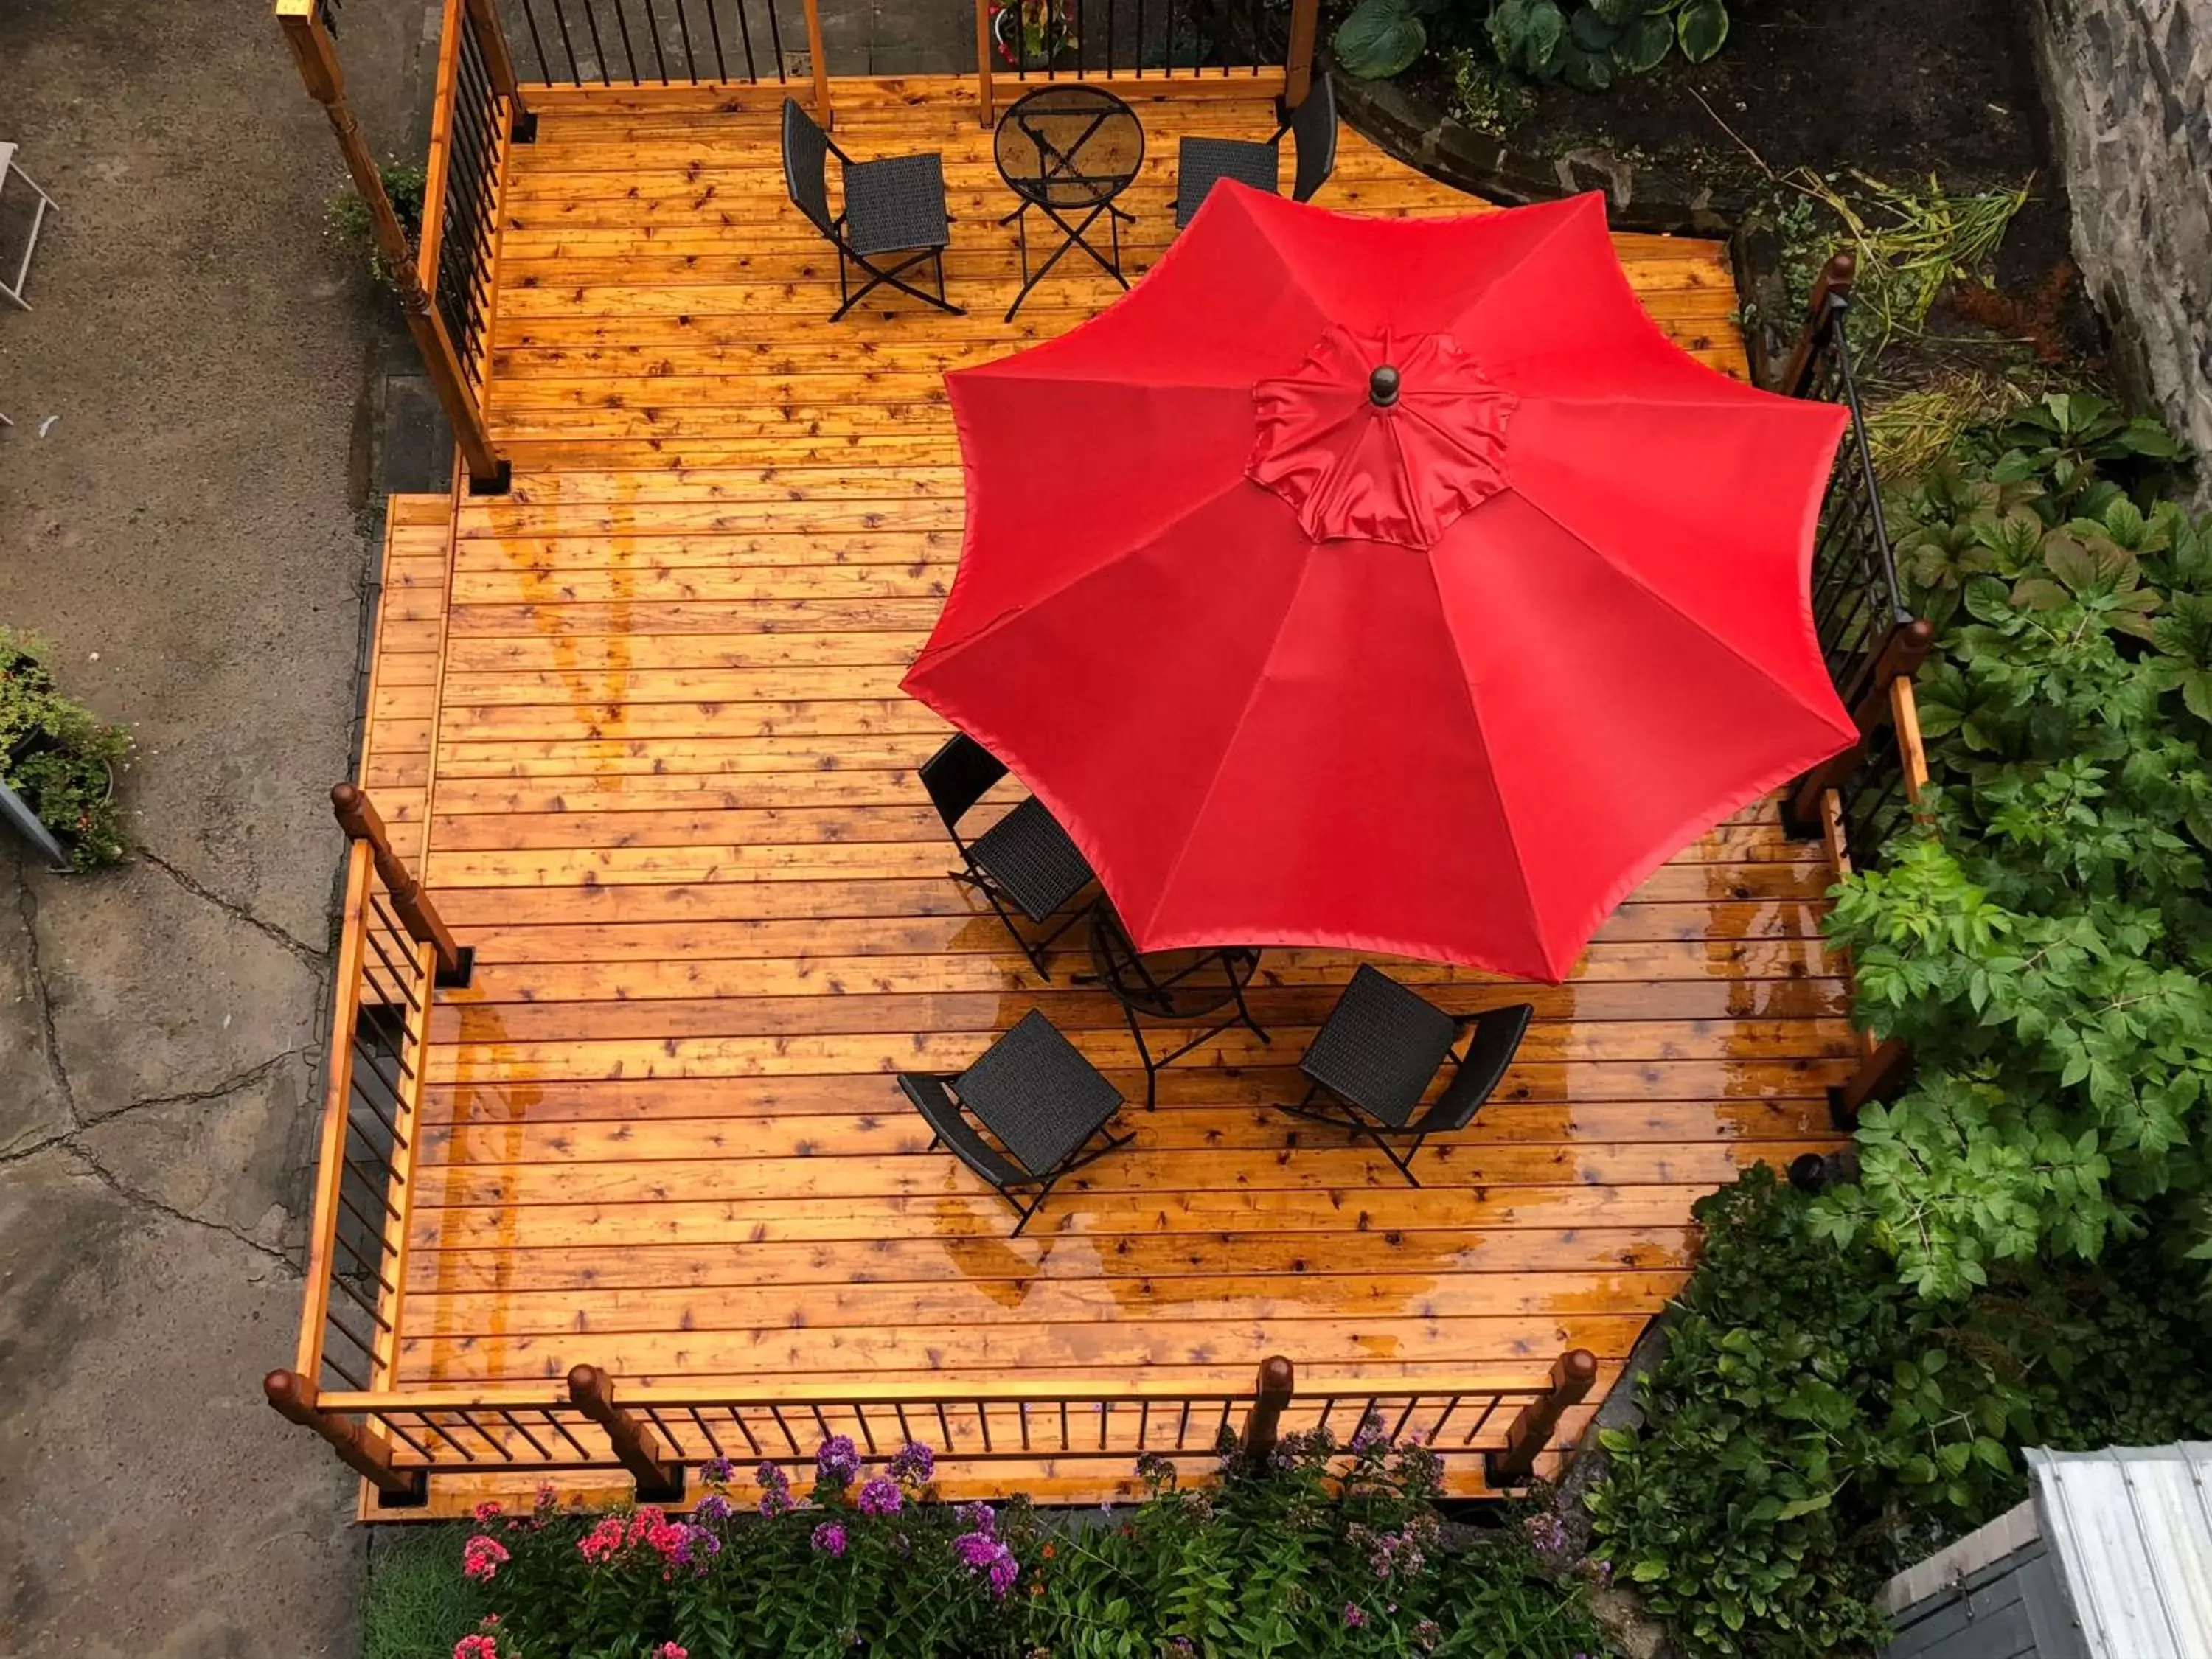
357	816
360	1447
317	57
440	160
1834	283
1297	62
658	1480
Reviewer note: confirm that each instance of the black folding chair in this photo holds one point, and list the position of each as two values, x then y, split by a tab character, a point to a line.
1044	1101
1024	862
1380	1048
1202	163
894	205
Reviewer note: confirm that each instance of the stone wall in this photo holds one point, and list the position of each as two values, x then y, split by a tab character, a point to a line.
2129	84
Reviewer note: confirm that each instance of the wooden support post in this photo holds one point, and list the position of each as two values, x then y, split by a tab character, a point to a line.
357	817
1835	280
1912	754
360	1448
1882	1075
1572	1374
1297	62
593	1393
987	96
325	83
824	111
1271	1392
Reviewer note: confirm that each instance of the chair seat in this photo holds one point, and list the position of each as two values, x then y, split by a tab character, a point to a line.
1380	1048
896	202
1035	1091
1032	860
1201	163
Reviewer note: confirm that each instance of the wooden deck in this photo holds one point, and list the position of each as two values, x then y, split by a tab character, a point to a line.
642	713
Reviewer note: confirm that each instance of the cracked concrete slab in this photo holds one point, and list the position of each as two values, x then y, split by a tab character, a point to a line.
148	1508
32	1108
155	992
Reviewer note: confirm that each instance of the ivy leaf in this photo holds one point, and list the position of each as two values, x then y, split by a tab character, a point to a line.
1702	28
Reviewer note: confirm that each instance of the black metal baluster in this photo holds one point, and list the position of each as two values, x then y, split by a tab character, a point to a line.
622	26
568	46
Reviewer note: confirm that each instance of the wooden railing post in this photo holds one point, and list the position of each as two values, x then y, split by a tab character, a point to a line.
824	111
592	1392
357	817
1298	62
1834	282
1263	1422
986	93
318	69
1572	1374
360	1448
499	60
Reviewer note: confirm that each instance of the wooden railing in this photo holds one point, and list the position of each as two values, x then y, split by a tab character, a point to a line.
452	356
398	1438
1263	47
393	951
640	44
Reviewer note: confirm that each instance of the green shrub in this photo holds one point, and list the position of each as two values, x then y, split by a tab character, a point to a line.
1288	1560
2045	944
60	756
417	1605
1589	43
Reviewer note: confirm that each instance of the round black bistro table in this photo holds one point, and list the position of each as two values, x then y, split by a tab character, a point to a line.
1068	150
1177	985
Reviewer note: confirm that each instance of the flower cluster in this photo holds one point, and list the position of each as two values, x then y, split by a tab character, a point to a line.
830	1540
1353	1616
713	1507
678	1543
718	1473
481	1558
476	1647
837	1462
912	1463
668	1651
775	1489
1547	1533
1371	1438
982	1552
880	1496
1400	1554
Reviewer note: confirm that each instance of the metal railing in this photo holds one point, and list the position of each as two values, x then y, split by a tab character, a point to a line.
401	1438
1265	46
477	115
658	42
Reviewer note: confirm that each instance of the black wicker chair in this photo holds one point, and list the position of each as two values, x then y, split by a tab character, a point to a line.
1202	163
1044	1102
894	205
1024	862
1380	1048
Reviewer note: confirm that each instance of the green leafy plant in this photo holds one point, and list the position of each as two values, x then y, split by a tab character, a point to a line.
1382	38
1591	44
1486	97
60	756
347	216
1321	1550
2043	940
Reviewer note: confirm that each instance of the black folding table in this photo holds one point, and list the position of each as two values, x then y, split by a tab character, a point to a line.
1068	150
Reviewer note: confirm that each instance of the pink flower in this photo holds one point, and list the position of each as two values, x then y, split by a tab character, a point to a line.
486	1512
668	1651
604	1540
482	1556
476	1647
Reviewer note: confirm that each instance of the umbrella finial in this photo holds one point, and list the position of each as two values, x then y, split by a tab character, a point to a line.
1383	387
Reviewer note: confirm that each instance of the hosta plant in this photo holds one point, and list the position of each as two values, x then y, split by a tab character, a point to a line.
1589	43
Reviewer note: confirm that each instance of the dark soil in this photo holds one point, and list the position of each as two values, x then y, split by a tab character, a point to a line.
1896	89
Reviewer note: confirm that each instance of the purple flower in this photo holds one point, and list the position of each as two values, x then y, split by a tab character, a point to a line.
879	1496
1370	1437
1427	1634
838	1461
775	1489
830	1539
694	1547
978	1517
718	1471
913	1462
1354	1617
1003	1572
713	1507
982	1554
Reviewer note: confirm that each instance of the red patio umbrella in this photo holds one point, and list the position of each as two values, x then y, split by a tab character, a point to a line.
1387	584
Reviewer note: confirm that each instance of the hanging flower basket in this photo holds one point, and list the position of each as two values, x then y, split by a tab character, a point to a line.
1046	31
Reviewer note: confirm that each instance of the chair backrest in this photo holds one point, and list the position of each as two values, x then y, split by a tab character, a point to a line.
1497	1035
958	776
929	1096
806	167
1313	125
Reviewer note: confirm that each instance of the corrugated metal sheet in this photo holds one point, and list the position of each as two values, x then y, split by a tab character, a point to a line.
2134	1529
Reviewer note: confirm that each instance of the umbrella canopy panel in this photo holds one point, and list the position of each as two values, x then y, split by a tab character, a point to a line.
1392	585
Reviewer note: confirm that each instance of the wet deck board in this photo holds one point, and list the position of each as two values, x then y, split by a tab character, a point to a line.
675	812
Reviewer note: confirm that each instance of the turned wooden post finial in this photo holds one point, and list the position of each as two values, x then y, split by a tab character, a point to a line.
1271	1392
1572	1375
660	1481
360	1447
357	816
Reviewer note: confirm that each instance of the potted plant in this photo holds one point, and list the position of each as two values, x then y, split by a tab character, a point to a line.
1046	29
59	757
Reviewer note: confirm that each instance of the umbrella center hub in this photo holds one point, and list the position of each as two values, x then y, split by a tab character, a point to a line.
1381	437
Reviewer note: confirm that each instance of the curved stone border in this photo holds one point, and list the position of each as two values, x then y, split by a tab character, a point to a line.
1636	199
